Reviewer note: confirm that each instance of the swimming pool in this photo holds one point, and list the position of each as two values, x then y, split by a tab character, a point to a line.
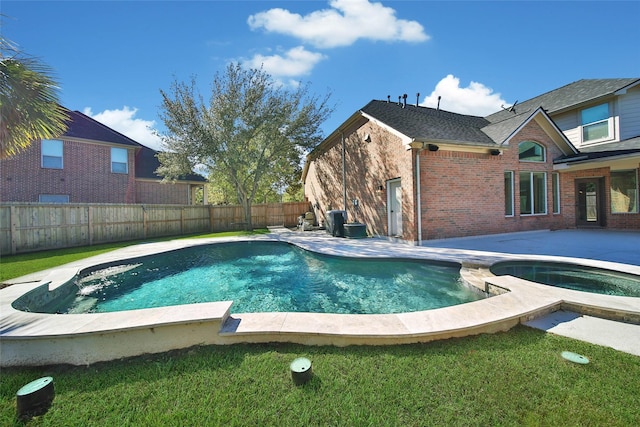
264	277
572	276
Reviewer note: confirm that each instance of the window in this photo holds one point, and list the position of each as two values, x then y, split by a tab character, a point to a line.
529	151
51	154
533	193
555	182
508	193
119	163
597	125
53	198
624	191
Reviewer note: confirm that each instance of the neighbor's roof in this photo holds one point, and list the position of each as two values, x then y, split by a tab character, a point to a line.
147	163
84	127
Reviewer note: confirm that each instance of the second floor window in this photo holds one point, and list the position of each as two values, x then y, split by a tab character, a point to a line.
596	123
51	154
119	160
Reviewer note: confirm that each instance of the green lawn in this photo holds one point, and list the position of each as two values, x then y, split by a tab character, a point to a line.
513	379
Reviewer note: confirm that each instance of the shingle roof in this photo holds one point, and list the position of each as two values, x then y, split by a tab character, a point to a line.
576	93
147	163
84	127
429	124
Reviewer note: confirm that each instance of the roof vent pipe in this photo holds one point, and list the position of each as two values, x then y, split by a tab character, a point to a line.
388	99
399	100
438	108
404	100
417	99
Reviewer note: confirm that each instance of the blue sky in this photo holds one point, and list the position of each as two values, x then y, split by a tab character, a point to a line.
112	58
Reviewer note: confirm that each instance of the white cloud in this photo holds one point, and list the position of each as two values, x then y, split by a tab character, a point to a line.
476	99
346	22
124	121
293	63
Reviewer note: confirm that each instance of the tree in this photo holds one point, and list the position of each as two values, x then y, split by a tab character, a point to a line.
29	108
252	133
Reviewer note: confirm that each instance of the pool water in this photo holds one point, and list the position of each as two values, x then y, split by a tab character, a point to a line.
571	276
271	277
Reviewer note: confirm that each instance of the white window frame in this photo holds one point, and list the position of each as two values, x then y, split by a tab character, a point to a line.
49	148
555	185
509	180
532	194
116	154
608	120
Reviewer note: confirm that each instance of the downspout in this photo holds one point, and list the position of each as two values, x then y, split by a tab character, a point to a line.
419	196
344	173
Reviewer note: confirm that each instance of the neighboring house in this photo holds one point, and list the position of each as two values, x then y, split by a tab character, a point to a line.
565	159
91	163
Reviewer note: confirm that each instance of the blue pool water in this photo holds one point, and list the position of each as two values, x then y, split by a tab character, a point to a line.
271	277
571	276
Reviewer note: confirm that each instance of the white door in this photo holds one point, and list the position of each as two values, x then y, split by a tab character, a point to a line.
395	207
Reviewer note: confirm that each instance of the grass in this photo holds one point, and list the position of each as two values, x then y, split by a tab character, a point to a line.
13	266
515	378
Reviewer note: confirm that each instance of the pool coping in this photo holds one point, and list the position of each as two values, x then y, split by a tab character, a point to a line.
81	339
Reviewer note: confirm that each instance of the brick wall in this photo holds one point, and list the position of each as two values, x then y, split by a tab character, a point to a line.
86	177
611	220
463	193
368	166
154	192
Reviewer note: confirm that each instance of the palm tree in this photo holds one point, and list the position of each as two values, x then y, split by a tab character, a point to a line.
28	101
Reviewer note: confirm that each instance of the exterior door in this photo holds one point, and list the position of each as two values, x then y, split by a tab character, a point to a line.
394	190
589	211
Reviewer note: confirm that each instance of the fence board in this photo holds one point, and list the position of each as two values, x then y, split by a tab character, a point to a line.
29	227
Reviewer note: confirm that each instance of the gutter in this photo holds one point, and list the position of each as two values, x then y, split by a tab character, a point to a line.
419	195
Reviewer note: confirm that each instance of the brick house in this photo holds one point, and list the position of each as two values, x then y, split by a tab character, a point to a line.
565	159
91	163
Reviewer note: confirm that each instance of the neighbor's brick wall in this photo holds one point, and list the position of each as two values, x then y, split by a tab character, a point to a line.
154	192
86	176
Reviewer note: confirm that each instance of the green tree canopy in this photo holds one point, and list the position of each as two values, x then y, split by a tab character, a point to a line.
29	105
252	132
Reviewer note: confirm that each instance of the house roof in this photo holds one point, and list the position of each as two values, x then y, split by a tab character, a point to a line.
567	97
429	124
628	147
84	127
147	163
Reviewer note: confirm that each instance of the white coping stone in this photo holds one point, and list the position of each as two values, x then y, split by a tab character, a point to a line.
32	338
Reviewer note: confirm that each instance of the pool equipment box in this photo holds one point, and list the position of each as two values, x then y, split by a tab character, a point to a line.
335	222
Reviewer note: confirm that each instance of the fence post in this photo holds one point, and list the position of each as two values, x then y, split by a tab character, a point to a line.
12	232
210	219
144	222
90	224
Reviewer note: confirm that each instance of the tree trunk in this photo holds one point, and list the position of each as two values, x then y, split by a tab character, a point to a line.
246	206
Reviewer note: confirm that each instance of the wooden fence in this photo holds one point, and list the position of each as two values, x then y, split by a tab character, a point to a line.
30	227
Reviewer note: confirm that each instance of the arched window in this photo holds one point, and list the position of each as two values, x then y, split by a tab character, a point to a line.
529	151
